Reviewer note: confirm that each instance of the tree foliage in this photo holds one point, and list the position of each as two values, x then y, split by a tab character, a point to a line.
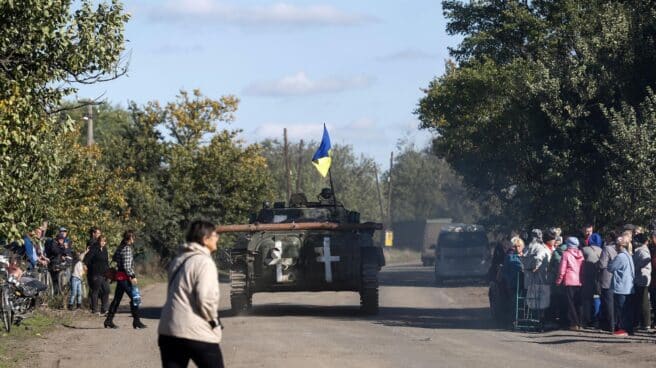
424	187
353	176
204	171
46	48
538	110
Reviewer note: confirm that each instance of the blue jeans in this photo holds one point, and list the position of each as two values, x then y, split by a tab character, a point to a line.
76	291
623	312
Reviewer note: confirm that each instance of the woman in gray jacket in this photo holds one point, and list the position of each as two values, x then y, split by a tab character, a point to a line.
642	262
189	327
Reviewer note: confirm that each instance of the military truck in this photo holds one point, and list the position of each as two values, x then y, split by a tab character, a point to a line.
420	235
305	246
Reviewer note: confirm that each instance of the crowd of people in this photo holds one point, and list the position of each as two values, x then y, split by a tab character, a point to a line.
579	282
189	327
57	253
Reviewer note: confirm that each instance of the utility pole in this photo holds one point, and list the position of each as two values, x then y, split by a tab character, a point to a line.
299	168
89	119
288	173
380	195
389	192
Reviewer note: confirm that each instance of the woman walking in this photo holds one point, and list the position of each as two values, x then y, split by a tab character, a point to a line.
570	276
189	326
126	282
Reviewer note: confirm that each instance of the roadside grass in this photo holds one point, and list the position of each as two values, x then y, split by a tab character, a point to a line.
395	255
14	346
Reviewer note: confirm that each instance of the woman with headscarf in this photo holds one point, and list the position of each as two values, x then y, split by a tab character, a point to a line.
590	289
623	271
642	262
570	276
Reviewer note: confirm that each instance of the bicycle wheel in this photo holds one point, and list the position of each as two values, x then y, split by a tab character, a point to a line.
5	309
64	282
49	284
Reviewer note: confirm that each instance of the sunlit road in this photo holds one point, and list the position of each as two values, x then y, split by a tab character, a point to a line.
419	325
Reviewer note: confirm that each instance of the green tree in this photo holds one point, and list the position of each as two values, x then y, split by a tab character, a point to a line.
205	171
424	186
87	193
353	176
529	112
46	48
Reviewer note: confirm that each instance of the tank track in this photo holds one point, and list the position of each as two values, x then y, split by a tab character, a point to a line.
369	288
241	297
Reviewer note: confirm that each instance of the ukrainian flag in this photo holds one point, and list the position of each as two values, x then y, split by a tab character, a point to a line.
321	159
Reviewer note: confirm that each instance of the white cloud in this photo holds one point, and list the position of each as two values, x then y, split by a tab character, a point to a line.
295	131
366	135
364	130
277	14
300	84
408	54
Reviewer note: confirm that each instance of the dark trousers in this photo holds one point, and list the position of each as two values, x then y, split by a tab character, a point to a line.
177	352
573	305
557	311
123	287
608	308
652	299
99	288
623	312
588	290
54	276
641	309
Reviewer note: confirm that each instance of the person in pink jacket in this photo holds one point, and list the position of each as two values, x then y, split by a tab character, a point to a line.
570	276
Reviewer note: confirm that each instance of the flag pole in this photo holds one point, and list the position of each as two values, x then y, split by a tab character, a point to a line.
332	187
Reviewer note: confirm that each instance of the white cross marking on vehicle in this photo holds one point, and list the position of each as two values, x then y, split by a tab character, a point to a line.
276	258
326	258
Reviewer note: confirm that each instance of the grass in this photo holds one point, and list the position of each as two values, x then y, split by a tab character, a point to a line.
396	255
14	346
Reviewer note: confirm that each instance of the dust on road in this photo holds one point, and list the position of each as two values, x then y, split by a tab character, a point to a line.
419	325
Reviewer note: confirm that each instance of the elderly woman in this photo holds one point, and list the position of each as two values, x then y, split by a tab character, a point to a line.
189	327
623	271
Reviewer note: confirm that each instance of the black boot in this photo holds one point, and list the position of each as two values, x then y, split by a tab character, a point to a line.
136	321
109	321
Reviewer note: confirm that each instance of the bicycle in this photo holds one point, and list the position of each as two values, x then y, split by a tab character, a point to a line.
6	309
41	273
63	270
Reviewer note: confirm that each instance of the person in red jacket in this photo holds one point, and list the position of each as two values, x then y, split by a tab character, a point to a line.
570	276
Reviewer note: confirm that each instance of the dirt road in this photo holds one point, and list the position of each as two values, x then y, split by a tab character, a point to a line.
419	325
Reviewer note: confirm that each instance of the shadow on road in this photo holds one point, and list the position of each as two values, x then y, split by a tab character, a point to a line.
601	337
438	318
419	276
292	310
150	312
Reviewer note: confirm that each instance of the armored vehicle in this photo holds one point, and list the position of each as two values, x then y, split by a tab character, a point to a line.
305	246
462	251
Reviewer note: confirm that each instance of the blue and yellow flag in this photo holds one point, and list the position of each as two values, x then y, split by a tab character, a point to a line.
321	159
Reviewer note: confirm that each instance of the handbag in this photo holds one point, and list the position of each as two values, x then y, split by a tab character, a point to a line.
110	274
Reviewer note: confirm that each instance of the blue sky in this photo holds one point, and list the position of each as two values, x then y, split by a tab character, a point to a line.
358	66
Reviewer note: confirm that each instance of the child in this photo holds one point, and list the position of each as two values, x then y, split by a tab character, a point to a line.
76	282
14	267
